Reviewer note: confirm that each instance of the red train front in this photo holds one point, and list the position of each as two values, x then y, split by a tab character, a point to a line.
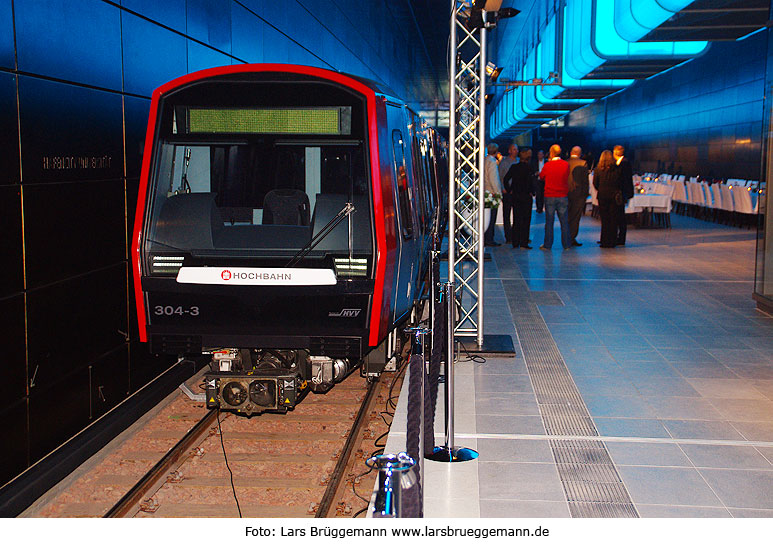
283	225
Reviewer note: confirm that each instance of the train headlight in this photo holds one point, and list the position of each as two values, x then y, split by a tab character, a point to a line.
350	268
263	393
234	393
165	264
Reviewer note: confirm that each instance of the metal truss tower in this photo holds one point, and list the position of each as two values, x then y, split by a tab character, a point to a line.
467	155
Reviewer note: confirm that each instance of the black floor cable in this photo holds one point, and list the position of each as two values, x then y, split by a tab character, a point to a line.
233	488
475	358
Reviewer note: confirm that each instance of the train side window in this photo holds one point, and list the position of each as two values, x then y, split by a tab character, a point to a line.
401	179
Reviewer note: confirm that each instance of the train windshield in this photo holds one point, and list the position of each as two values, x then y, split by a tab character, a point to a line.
260	173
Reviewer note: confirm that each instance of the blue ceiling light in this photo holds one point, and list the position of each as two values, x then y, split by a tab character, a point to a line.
575	68
636	18
593	35
610	43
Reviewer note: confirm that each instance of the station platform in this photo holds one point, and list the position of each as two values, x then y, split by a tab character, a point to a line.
642	384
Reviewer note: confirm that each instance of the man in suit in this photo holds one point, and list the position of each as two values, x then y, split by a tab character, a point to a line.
507	196
578	191
520	180
540	190
491	183
625	180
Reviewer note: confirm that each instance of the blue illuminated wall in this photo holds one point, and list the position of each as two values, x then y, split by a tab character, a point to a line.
70	151
701	118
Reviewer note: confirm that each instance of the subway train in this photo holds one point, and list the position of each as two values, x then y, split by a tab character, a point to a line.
284	224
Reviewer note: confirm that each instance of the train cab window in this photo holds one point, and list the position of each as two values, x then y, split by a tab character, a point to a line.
249	183
401	179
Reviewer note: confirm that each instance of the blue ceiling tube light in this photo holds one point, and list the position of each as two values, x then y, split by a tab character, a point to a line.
593	40
609	43
634	19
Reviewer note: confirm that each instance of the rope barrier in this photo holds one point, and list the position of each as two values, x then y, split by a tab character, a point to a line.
413	497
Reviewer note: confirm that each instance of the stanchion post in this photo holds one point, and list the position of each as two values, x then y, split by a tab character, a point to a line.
395	473
449	452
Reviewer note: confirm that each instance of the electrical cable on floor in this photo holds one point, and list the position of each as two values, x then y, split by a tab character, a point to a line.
360	512
233	488
475	358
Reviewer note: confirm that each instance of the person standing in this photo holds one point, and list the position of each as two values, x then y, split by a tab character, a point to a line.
507	197
492	184
625	182
555	173
540	190
520	180
578	192
606	179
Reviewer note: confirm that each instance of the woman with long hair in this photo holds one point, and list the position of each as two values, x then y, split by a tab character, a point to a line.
605	180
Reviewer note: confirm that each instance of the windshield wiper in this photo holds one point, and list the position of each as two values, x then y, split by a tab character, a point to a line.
167	245
346	211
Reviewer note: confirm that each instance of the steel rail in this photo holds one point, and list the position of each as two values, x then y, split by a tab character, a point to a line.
353	440
129	504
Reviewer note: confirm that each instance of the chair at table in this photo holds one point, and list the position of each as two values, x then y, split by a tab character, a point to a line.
742	203
594	198
679	196
727	202
663	214
718	203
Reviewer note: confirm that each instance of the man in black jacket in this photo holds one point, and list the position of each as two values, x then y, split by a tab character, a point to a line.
578	191
625	174
519	181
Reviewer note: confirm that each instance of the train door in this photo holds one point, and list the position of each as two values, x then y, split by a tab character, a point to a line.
408	229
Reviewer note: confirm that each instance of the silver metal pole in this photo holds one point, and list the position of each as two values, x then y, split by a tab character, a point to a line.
481	189
452	148
450	359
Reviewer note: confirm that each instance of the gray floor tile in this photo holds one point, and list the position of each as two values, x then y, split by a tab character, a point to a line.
766	452
640	428
632	407
604	386
764	387
683	408
726	388
659	386
512	366
514	450
520	509
742	488
750	513
502	383
518	403
755	410
505	424
520	481
700	429
647	454
755	431
750	371
639	370
673	486
704	371
725	456
666	511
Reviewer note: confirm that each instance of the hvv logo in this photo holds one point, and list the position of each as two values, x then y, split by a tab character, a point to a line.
345	313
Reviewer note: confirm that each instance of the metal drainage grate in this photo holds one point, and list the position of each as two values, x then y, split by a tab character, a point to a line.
591	483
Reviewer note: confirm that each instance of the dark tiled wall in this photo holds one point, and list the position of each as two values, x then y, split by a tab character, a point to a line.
702	118
75	82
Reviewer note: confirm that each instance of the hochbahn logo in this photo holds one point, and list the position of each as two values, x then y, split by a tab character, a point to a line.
227	275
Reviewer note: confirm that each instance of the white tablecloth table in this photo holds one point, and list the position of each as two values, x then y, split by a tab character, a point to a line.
640	202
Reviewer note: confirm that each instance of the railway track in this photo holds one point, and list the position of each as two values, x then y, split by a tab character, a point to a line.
301	464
